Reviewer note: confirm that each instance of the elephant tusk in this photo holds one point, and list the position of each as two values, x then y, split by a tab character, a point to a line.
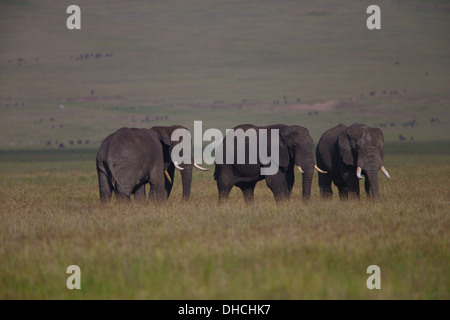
167	176
200	168
177	166
358	172
300	169
385	172
320	170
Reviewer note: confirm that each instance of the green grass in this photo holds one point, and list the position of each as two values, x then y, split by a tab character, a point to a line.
51	218
171	61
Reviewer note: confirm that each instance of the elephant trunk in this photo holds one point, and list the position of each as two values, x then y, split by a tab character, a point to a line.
304	160
186	180
307	164
371	183
369	164
307	182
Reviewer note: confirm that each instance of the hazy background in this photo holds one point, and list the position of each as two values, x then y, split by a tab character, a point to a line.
145	63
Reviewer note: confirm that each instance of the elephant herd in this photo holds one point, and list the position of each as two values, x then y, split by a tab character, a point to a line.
130	158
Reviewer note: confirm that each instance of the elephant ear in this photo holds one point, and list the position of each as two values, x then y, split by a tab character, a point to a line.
284	155
378	138
283	149
164	137
345	150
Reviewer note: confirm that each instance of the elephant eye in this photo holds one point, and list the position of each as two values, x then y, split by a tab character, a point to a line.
357	146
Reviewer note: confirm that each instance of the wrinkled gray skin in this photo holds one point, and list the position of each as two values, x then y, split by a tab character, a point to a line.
341	150
186	173
127	160
295	148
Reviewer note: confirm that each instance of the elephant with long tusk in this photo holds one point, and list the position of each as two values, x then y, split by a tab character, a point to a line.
383	169
165	132
295	149
315	167
130	158
348	153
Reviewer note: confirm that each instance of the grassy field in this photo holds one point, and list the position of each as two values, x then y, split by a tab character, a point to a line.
142	64
51	219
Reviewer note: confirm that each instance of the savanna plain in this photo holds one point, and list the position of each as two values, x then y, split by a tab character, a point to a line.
313	64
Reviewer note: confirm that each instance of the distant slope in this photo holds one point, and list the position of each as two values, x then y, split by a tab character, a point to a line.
224	62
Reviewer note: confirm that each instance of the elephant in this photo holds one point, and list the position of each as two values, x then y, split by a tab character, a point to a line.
347	153
295	149
170	166
130	158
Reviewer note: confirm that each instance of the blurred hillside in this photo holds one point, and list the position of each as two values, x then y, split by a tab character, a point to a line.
141	64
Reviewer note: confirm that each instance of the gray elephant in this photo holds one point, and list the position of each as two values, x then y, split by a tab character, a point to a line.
347	153
170	166
295	149
128	159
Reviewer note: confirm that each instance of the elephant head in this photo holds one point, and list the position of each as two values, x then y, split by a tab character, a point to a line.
296	148
362	147
165	134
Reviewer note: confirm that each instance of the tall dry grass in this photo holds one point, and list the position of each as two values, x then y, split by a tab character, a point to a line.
50	219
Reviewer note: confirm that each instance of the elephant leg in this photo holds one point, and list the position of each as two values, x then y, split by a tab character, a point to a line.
352	186
247	189
326	191
157	185
224	191
124	184
123	193
139	194
122	197
157	193
354	191
278	185
368	188
343	192
290	179
105	187
225	181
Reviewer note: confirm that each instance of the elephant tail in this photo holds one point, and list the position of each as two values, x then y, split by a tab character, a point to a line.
114	181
